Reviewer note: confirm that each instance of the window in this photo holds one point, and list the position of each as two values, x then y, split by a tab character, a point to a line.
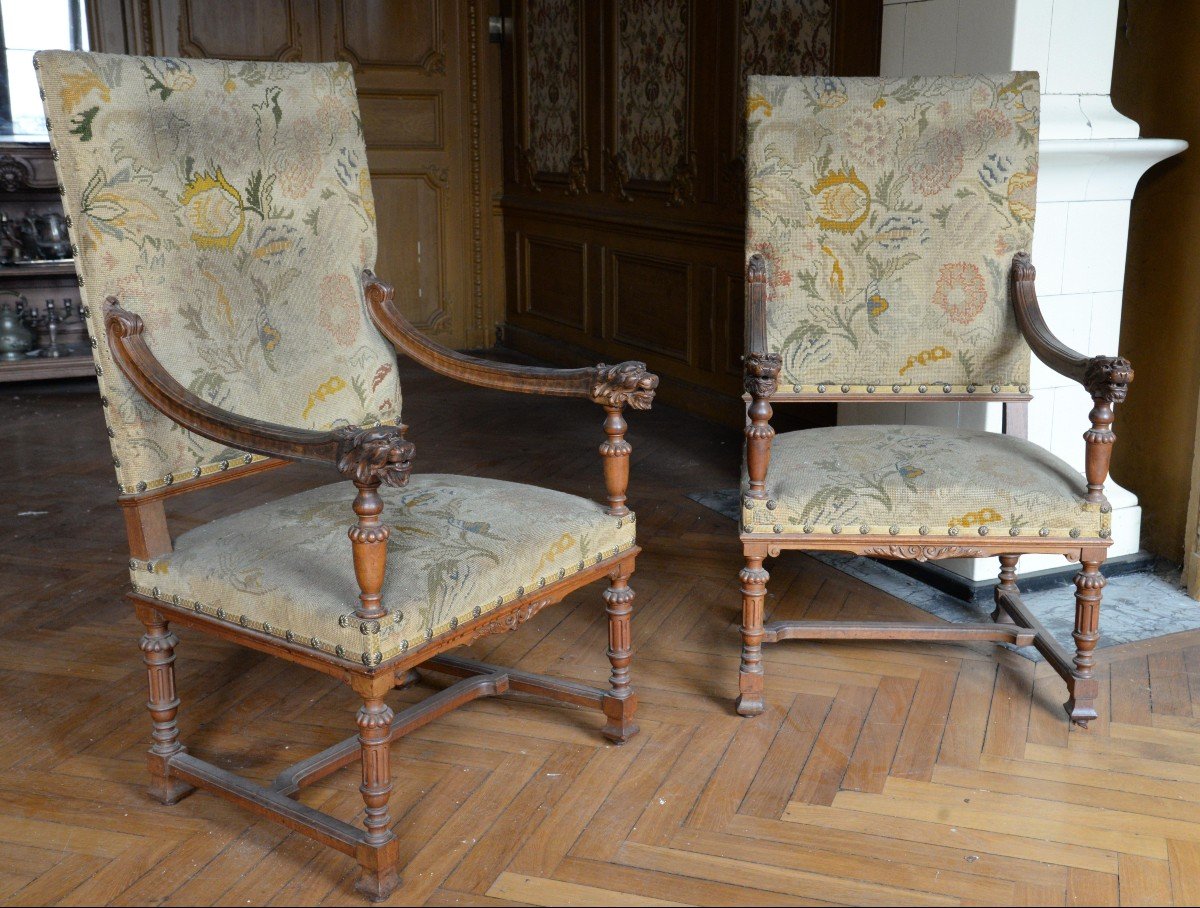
26	27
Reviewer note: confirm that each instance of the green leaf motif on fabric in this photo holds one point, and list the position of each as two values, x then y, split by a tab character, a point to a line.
82	124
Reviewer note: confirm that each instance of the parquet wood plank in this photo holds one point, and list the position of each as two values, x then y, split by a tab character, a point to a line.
1144	882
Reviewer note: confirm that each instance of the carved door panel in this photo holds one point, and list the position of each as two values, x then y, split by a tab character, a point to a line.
426	77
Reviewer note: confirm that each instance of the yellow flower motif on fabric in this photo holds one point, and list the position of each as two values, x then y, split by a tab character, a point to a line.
925	357
876	305
1022	195
976	518
326	389
758	102
77	86
837	277
843	201
560	547
230	85
364	193
215	211
880	103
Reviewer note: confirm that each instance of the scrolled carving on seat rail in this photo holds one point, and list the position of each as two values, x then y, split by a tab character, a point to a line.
922	552
509	622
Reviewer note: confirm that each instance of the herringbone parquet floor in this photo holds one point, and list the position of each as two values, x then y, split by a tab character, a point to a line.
880	774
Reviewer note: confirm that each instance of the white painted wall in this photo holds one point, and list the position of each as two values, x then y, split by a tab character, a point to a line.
1091	160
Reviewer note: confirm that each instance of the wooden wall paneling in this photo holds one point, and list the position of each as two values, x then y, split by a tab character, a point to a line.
662	209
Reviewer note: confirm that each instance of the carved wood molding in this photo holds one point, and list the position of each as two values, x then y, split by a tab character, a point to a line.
509	622
618	169
291	51
15	174
476	167
577	173
923	552
527	168
683	182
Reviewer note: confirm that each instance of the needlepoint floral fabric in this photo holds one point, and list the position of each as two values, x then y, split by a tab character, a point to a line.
460	547
889	211
229	205
921	481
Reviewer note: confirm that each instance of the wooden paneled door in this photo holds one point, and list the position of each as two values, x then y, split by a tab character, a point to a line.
429	89
624	179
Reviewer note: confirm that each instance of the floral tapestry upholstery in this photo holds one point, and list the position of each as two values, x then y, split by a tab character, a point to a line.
460	546
229	205
921	480
889	211
552	34
652	76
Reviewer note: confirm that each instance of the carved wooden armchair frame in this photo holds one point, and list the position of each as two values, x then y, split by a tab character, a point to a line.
369	457
1106	379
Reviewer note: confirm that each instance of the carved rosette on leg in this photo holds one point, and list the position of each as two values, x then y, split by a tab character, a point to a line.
620	704
761	378
158	652
614	388
754	579
1007	584
1089	587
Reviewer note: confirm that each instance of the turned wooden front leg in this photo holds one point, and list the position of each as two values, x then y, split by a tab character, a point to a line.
379	853
1089	587
158	652
754	579
616	450
1007	584
369	538
620	704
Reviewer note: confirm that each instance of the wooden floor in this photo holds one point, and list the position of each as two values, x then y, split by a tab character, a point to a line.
899	774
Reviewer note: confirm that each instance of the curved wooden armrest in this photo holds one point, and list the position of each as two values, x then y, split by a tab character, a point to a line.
379	454
1105	377
625	384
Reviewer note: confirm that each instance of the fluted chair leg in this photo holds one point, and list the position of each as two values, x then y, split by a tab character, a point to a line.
620	703
158	652
378	854
1083	686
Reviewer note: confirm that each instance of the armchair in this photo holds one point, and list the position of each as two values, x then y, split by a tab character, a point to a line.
883	217
225	231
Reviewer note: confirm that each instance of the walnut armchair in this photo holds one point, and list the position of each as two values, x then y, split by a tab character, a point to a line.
889	229
237	326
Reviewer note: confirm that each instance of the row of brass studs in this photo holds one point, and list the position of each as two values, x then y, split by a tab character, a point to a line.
836	530
896	389
169	479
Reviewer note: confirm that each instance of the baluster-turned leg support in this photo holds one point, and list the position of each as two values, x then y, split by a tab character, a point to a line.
620	704
1089	586
1007	584
158	652
369	538
616	450
379	854
754	579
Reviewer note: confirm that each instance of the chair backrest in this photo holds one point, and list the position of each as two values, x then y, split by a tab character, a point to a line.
888	211
229	205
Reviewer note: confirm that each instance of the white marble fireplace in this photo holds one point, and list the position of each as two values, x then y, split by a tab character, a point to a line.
1091	161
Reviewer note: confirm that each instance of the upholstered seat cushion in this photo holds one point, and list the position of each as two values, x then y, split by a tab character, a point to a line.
921	480
460	546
